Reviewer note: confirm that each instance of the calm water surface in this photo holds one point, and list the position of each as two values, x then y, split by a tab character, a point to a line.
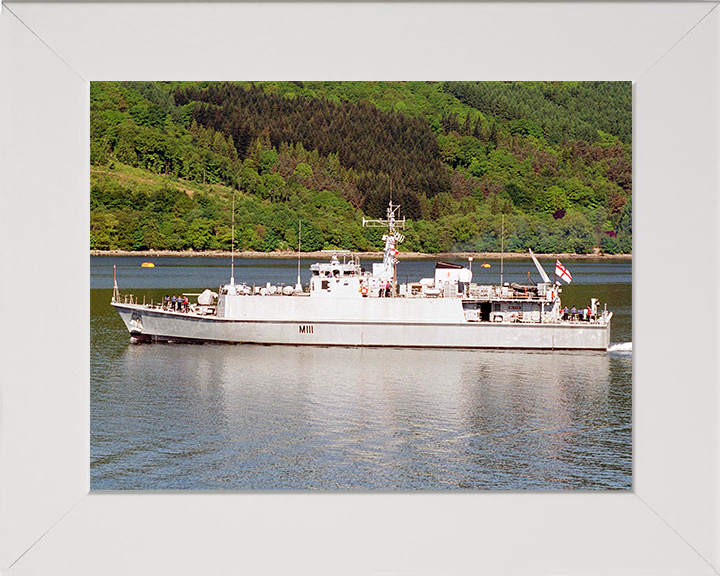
227	417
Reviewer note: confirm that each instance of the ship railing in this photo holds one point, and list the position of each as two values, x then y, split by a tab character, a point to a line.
582	321
198	309
548	318
135	301
528	317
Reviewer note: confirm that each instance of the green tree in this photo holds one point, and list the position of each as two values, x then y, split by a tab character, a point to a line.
304	170
200	234
554	199
268	159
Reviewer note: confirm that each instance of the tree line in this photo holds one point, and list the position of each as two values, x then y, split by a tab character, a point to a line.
166	157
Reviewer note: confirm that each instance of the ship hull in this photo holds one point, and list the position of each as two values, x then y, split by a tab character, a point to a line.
152	325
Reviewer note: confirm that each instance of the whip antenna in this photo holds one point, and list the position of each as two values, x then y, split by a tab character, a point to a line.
298	286
502	249
232	244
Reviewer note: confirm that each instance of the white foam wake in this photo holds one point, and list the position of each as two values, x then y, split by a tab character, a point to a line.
620	347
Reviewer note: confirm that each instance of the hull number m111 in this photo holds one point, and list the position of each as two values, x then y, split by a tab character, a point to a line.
305	328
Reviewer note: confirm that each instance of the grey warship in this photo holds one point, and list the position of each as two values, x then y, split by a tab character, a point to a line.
345	305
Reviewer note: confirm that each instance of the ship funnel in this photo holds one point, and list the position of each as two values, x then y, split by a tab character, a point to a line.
540	270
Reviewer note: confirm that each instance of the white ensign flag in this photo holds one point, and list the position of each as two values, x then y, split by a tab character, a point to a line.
561	271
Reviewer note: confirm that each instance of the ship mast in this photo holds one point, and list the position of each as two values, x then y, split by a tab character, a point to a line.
116	292
392	238
231	288
232	244
298	286
502	249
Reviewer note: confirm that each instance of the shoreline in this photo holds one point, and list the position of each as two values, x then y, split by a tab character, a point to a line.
285	255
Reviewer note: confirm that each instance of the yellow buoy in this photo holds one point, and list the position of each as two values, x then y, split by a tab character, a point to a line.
147	265
485	265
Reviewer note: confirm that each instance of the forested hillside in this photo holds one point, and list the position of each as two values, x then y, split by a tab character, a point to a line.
553	159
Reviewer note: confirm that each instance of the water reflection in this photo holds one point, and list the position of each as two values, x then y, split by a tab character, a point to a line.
268	417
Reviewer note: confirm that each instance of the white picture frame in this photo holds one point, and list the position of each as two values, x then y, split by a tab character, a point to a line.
50	522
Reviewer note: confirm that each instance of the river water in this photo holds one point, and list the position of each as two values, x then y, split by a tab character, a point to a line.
242	417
